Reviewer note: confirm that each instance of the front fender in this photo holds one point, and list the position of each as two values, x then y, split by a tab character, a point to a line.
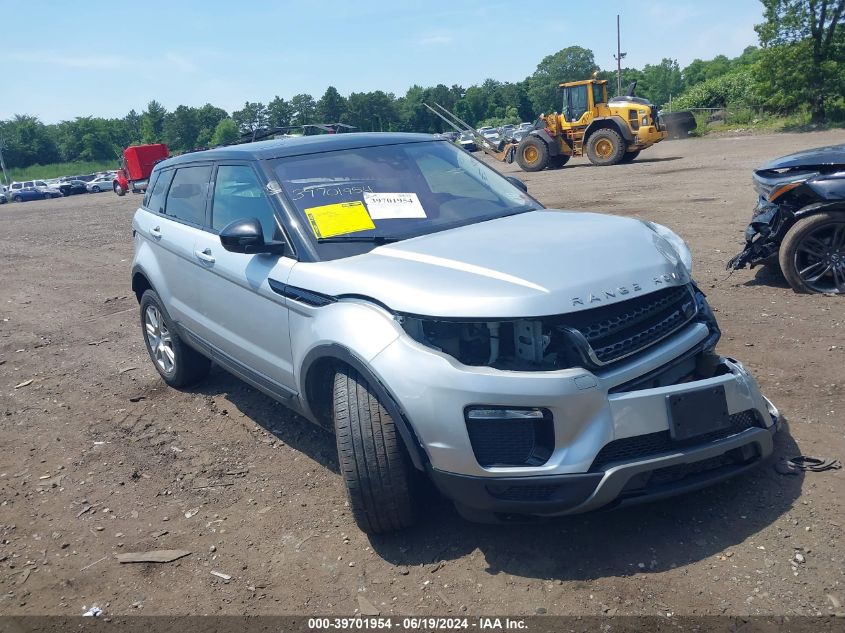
619	123
352	331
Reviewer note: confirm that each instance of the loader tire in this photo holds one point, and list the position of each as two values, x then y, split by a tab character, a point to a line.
381	483
605	147
532	154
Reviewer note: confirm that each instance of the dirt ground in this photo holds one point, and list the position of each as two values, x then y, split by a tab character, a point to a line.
98	457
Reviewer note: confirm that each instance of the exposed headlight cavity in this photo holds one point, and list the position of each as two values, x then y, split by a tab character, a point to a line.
518	345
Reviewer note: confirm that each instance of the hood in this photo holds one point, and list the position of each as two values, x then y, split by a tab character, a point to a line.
533	264
818	157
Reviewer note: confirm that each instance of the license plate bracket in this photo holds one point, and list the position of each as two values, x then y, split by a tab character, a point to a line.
694	413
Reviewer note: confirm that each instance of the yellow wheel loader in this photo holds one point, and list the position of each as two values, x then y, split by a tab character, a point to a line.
608	132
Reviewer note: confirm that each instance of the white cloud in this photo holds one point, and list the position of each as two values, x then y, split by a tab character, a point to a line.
89	62
435	39
180	62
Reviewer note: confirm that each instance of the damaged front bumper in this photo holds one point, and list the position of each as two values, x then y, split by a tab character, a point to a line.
762	236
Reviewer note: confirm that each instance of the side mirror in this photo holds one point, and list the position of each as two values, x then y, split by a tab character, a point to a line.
247	236
516	182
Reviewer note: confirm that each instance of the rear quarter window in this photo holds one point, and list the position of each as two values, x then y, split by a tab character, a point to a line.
159	192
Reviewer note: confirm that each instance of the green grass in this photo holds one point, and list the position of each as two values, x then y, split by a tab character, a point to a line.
42	172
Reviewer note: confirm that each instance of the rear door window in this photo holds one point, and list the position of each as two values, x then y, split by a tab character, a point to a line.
188	193
157	197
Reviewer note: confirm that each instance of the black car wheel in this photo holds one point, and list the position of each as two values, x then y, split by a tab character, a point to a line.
95	189
17	199
381	483
812	255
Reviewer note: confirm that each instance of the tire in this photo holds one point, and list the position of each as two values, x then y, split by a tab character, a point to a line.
556	162
605	147
532	154
812	255
380	480
629	157
95	189
119	190
183	366
17	199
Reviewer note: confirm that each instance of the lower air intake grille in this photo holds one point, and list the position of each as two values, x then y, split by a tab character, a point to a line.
637	447
508	442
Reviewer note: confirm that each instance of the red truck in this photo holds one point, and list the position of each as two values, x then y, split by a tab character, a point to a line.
136	166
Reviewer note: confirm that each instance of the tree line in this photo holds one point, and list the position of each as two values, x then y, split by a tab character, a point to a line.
799	65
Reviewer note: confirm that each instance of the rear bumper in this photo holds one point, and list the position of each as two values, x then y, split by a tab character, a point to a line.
639	481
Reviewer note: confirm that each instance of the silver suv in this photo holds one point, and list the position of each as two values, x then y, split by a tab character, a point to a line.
441	322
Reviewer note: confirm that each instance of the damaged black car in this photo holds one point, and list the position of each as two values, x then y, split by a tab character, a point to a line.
799	220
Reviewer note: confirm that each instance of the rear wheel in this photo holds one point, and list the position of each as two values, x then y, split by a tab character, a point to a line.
630	156
605	147
532	154
178	364
380	479
812	255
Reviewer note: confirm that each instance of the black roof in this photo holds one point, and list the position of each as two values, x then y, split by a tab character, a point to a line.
298	146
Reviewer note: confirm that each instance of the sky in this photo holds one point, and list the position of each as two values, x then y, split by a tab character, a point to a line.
103	61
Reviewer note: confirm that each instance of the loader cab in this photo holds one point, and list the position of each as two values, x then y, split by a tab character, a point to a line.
580	97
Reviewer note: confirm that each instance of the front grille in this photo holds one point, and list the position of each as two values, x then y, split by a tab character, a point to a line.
650	444
511	442
621	329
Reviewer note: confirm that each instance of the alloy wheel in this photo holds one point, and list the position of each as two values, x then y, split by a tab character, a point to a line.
159	339
820	258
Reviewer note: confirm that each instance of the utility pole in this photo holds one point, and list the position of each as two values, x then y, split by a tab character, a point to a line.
3	164
618	57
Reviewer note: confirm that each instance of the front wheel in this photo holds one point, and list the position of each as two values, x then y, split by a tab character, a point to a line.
95	189
812	255
605	147
119	190
17	199
532	154
380	479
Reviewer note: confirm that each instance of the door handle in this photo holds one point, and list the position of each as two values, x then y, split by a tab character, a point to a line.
156	233
205	256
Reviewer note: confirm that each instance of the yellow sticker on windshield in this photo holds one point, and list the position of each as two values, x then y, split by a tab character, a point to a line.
339	218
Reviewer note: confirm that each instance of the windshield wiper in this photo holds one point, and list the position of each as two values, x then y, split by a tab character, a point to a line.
376	239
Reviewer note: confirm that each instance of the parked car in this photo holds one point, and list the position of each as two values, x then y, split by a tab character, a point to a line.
100	183
71	187
799	221
529	361
3	199
31	193
31	190
468	142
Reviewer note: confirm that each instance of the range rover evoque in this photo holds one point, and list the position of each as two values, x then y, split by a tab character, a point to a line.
399	292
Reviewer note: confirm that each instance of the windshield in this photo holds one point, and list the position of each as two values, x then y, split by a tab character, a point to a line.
393	192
